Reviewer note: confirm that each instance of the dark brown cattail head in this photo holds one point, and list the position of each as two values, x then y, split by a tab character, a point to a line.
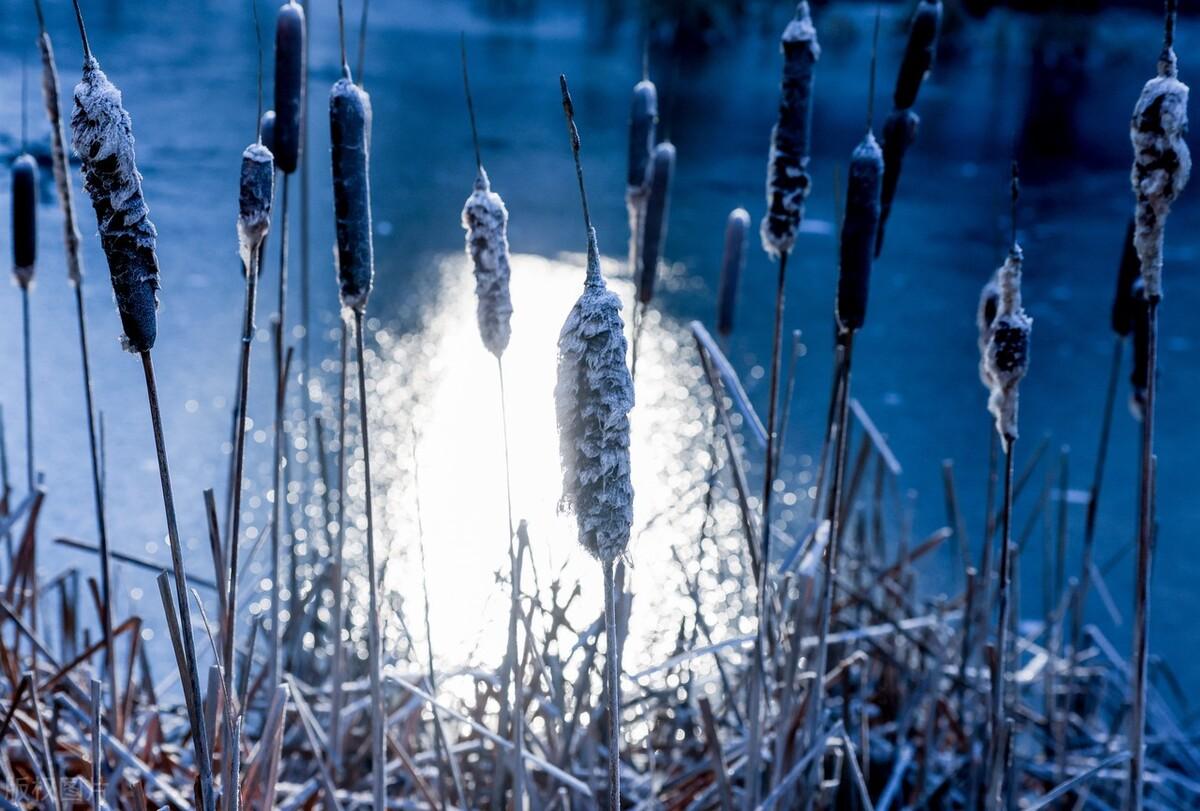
103	135
256	190
918	52
643	119
266	128
289	86
654	233
1124	304
859	227
24	218
349	131
899	133
733	262
788	181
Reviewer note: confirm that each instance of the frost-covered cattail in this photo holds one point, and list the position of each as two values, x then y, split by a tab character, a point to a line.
267	128
733	262
1008	346
24	218
900	129
654	233
1162	162
485	219
349	125
858	233
289	86
256	190
103	136
788	181
593	397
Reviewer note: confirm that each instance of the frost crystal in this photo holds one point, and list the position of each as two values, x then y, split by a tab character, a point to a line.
1161	164
103	137
593	397
788	182
1008	347
486	221
256	190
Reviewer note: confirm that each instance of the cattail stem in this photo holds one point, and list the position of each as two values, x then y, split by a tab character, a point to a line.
1000	671
199	734
764	558
239	455
378	720
337	666
518	714
281	306
613	664
279	459
1093	507
836	483
1145	549
27	337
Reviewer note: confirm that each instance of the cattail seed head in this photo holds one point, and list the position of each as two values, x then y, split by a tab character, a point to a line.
1008	347
654	233
733	262
485	219
289	86
266	128
58	147
1139	377
103	136
918	52
899	133
989	304
24	218
256	190
1124	303
859	228
788	182
593	397
349	124
1161	164
643	119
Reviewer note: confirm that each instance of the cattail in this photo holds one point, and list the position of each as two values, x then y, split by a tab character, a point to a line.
593	397
918	52
643	121
349	126
654	234
989	304
485	219
1139	378
1162	162
1008	347
733	262
103	136
900	129
24	218
858	233
289	86
1124	306
256	190
267	128
788	182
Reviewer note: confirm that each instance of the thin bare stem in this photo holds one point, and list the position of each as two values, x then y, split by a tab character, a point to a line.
518	715
1000	672
569	111
613	665
258	41
87	49
336	668
462	44
362	43
1145	549
199	734
374	654
279	499
27	338
342	38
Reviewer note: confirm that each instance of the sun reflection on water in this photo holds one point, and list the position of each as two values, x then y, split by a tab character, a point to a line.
440	387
